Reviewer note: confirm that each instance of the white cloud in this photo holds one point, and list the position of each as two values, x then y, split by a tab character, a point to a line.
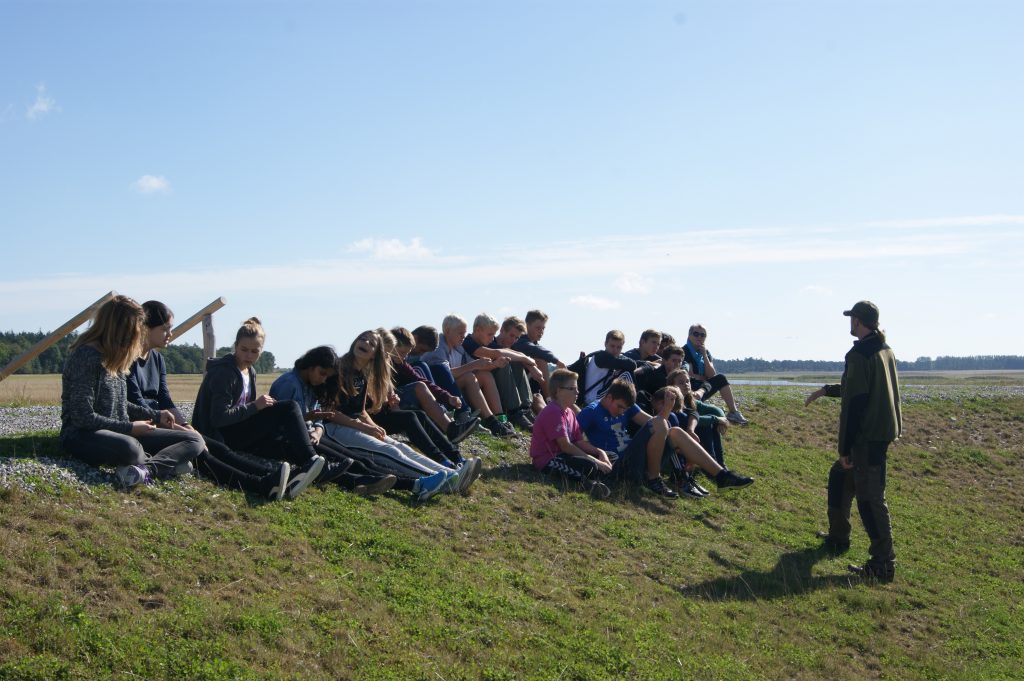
152	184
594	302
963	221
816	290
392	249
43	104
631	282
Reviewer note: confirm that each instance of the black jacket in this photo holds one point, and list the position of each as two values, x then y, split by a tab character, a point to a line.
218	393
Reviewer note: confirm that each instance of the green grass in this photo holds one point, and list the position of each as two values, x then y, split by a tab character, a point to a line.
525	579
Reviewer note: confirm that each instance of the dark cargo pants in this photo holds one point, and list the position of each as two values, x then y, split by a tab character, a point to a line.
865	482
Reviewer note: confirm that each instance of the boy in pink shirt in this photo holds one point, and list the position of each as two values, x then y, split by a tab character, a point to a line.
558	446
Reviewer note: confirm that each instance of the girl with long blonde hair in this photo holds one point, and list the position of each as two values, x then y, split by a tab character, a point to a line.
98	423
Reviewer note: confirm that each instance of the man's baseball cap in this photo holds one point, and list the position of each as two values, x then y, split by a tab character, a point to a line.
866	311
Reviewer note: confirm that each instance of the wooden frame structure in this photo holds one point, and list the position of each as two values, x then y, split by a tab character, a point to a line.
204	315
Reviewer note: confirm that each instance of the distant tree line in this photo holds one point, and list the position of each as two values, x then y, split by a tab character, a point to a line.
188	359
942	363
180	359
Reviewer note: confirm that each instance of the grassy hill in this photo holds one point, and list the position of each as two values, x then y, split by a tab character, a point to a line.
524	579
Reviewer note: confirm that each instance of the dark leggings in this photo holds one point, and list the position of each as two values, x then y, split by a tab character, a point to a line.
229	468
421	431
713	384
160	450
275	432
711	440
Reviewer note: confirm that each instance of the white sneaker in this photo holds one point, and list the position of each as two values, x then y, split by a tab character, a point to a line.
132	476
469	472
183	468
305	477
276	492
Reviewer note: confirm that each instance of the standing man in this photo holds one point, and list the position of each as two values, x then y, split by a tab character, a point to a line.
869	420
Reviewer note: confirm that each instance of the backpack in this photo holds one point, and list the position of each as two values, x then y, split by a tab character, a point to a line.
579	367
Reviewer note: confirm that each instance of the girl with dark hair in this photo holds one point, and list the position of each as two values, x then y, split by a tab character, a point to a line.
300	384
99	424
228	410
147	385
362	381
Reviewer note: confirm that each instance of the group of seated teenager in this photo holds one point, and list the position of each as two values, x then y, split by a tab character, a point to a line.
616	414
613	438
329	420
325	421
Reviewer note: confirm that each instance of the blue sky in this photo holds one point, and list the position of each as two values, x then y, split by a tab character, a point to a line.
329	167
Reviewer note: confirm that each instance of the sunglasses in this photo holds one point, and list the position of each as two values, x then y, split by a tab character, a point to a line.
699	334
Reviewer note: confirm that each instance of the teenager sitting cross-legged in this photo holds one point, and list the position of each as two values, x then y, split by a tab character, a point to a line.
98	423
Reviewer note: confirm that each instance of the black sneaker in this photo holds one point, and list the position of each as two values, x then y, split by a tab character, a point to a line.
831	545
520	420
726	478
874	572
658	486
369	485
498	428
277	481
303	476
468	415
688	489
457	432
332	470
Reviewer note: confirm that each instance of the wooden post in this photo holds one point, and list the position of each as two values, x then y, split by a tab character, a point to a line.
209	342
200	316
37	349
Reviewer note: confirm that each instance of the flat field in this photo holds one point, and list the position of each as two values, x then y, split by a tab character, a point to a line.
40	389
528	579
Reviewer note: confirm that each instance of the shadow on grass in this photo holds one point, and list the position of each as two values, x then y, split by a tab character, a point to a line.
791	575
622	491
